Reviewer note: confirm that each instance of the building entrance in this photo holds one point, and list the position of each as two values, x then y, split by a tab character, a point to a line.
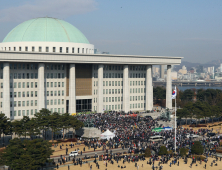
83	105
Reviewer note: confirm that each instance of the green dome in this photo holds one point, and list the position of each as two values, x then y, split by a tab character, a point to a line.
45	30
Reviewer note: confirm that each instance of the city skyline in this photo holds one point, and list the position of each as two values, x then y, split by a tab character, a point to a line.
165	28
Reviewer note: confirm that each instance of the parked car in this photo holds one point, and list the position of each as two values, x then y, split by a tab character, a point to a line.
211	134
73	153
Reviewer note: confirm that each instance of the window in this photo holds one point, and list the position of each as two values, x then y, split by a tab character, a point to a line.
27	94
60	49
27	84
31	111
73	50
15	94
14	48
20	48
27	103
78	50
23	113
51	84
46	49
23	85
15	85
26	48
51	102
27	112
55	84
19	94
35	93
67	49
83	50
19	113
36	84
33	49
23	103
35	102
54	49
23	94
31	102
62	84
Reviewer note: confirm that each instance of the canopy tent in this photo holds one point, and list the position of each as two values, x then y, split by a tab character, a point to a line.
107	135
167	128
157	129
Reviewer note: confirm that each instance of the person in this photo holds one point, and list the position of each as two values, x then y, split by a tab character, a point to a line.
68	167
205	166
178	163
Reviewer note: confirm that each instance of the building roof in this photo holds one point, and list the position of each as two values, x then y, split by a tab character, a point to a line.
45	30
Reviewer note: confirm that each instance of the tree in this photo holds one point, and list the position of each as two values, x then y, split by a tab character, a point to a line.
183	152
183	113
30	155
42	120
24	122
189	107
147	152
75	124
187	95
32	128
3	123
65	122
163	150
17	127
197	148
55	122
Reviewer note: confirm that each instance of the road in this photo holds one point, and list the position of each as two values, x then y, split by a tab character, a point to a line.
117	150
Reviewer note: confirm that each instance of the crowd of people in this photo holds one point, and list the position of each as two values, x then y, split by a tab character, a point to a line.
133	132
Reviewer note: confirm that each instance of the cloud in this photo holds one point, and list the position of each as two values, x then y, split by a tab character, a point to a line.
52	8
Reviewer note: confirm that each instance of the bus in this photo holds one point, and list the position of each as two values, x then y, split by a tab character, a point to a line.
156	138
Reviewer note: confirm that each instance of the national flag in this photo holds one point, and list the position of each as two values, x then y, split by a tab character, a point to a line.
174	93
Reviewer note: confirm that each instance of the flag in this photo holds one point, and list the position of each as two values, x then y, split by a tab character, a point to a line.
174	93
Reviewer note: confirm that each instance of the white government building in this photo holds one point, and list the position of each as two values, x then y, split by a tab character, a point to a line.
48	63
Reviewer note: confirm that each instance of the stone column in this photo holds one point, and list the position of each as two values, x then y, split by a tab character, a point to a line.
100	89
162	71
6	90
149	88
125	89
72	89
41	97
169	88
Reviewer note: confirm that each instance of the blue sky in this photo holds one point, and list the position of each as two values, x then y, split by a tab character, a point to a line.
186	28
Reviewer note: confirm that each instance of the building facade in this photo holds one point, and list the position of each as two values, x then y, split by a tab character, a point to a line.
48	63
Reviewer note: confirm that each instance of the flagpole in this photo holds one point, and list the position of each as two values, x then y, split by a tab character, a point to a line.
175	120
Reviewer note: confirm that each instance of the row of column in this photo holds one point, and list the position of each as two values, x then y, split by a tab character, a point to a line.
72	89
149	88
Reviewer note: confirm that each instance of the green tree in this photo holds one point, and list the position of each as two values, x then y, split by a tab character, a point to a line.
24	123
75	124
197	148
17	127
55	122
188	95
147	152
42	120
30	155
183	113
32	128
163	150
183	152
65	122
4	124
189	107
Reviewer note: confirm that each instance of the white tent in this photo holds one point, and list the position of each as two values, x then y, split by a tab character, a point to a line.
107	135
